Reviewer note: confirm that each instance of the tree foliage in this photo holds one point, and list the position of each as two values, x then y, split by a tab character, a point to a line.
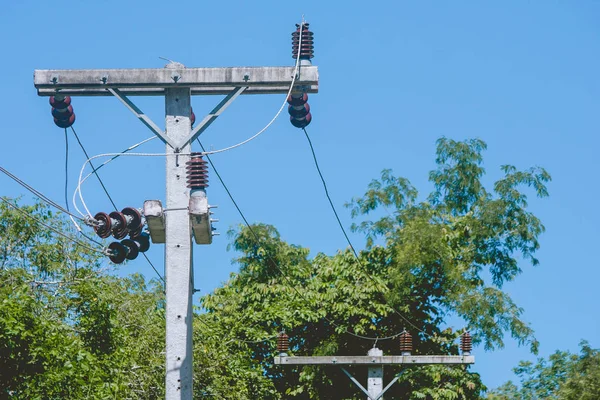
69	329
563	376
425	261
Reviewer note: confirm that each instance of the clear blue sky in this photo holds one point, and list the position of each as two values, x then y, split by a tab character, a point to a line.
394	76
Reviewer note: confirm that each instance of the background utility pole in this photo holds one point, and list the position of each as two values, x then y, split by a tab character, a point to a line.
375	360
189	215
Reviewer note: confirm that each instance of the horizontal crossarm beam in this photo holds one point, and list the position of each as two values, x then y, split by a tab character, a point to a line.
373	360
152	81
204	90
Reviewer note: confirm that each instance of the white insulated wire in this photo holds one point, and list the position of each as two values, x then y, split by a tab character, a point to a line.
280	109
78	189
114	156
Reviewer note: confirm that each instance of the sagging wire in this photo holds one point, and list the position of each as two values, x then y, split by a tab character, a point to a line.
273	262
37	220
348	239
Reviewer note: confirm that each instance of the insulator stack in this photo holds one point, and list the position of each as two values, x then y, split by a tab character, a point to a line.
466	343
299	110
119	224
197	172
128	248
405	343
192	117
62	111
307	45
283	343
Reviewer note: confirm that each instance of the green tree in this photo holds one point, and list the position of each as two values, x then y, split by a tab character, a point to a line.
424	261
68	329
564	376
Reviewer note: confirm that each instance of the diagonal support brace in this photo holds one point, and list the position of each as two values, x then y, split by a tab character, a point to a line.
214	114
357	383
142	117
365	391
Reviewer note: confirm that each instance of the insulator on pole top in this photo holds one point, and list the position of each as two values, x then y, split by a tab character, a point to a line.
307	47
62	111
299	110
405	343
466	343
283	343
197	172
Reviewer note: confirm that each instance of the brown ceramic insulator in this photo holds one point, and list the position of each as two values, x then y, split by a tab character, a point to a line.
283	343
197	172
405	342
119	225
103	229
307	47
466	342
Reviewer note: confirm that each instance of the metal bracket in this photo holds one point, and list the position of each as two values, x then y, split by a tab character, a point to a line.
142	117
214	114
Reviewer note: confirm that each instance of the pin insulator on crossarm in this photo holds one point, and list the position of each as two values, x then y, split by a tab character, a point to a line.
283	343
405	343
466	343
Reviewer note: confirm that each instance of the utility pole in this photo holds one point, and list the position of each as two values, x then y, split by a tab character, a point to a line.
375	360
189	214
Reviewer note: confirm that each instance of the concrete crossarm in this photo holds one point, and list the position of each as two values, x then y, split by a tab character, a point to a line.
370	360
94	82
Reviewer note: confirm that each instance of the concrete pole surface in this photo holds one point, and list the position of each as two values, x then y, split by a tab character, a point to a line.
178	251
375	375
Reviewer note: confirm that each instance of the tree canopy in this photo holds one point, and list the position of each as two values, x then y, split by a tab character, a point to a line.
68	329
563	376
424	261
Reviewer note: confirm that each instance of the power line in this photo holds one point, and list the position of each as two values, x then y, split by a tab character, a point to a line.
329	197
94	169
278	112
154	268
312	149
51	228
104	187
39	194
257	239
66	169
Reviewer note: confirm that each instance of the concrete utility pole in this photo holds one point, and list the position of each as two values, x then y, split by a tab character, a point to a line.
177	83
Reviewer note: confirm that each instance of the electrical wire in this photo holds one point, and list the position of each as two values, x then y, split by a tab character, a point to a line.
154	268
66	169
92	165
51	228
257	239
312	149
39	194
89	160
123	152
294	77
